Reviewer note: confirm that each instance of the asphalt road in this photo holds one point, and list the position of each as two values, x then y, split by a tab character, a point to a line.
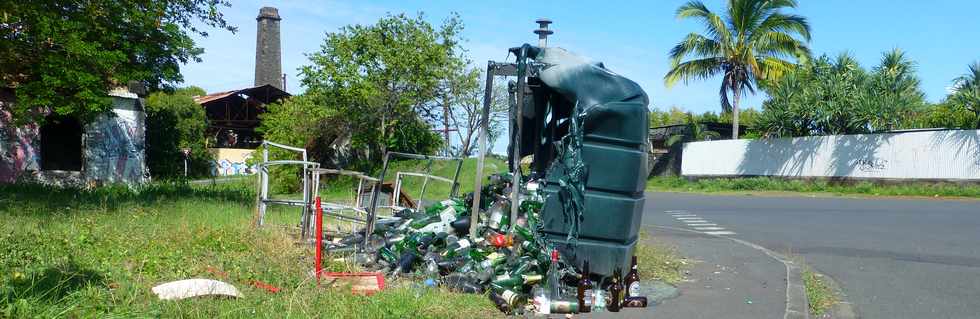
894	258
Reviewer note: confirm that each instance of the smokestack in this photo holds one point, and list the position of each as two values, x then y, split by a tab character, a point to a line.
543	32
268	54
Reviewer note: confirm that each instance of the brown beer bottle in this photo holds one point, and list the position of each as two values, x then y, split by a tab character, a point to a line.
615	292
632	281
585	292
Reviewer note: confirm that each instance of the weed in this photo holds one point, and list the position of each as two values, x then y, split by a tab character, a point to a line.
818	293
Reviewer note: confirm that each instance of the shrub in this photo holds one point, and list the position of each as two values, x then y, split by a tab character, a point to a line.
175	122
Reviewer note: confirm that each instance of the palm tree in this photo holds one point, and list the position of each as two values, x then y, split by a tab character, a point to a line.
966	91
749	44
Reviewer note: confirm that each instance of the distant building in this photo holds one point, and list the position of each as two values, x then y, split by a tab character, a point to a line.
666	160
233	115
64	151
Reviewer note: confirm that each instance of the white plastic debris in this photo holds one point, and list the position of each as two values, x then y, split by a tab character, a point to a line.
189	288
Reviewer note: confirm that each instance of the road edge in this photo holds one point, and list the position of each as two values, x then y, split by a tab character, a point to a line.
796	299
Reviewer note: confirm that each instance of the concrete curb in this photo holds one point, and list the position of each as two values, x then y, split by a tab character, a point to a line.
796	301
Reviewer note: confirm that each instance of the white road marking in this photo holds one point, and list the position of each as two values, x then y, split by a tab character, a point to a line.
709	228
675	212
702	224
724	232
688	218
686	215
699	221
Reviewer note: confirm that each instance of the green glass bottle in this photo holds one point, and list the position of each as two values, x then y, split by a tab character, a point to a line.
387	255
477	254
419	223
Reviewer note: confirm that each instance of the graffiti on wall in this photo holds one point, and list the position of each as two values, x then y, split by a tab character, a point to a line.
231	161
113	149
115	145
224	167
18	148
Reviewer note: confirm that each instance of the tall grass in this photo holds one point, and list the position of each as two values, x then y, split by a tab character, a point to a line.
97	253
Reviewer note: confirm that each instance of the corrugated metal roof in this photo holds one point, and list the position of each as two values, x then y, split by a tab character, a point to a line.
213	96
265	93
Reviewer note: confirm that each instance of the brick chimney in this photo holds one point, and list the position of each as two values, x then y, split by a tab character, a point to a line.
268	54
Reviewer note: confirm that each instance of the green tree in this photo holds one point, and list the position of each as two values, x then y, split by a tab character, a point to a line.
894	95
827	96
696	131
750	43
382	81
66	55
944	115
463	102
675	115
175	122
966	91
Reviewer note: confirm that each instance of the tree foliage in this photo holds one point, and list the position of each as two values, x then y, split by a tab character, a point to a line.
752	41
675	116
696	131
175	122
463	104
382	81
66	55
837	96
966	92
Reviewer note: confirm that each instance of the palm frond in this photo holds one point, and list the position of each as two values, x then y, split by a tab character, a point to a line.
726	86
674	139
790	24
697	45
771	68
713	24
782	45
693	70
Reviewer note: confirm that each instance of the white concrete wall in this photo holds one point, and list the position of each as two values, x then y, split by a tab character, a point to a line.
943	155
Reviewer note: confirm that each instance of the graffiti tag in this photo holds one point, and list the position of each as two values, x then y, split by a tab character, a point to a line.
872	165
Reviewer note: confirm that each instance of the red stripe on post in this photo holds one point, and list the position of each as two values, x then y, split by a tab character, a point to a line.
319	240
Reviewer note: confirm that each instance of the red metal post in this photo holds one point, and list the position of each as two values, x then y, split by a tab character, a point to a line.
319	240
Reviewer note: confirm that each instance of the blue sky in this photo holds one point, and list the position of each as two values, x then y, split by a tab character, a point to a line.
631	38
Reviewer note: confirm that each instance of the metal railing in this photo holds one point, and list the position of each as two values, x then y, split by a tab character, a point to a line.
305	204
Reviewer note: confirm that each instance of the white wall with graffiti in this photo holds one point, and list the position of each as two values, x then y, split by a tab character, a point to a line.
115	143
113	147
928	155
232	161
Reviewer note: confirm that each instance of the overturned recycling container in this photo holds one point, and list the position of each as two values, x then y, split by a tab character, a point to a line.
586	129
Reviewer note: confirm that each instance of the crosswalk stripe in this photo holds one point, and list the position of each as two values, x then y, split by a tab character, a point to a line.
702	224
723	232
698	221
686	215
709	228
688	218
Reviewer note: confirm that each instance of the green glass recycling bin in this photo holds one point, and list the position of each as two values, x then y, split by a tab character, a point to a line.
614	150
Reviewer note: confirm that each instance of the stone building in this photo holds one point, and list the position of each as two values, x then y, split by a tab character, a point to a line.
64	151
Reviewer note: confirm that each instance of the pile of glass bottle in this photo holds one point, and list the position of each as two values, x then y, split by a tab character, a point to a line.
509	261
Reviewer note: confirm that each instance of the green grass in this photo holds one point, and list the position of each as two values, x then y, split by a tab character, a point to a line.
820	296
97	253
764	184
